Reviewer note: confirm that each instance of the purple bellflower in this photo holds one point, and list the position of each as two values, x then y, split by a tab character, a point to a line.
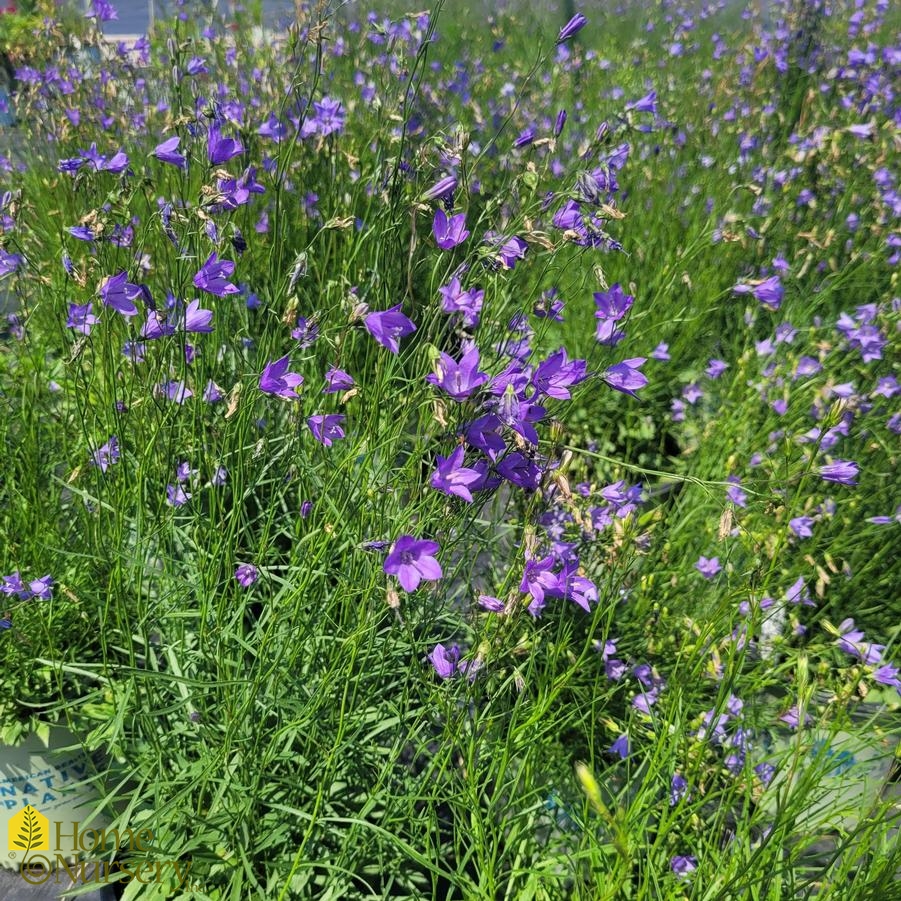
197	319
449	231
246	574
444	660
120	294
326	428
412	560
556	375
388	327
452	477
213	277
842	472
167	152
337	380
461	379
220	149
626	376
106	454
276	379
572	28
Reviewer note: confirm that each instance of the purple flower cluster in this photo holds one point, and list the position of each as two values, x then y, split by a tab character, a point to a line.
14	587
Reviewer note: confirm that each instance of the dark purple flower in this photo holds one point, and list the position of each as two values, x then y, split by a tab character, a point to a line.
540	580
519	414
526	136
549	306
388	327
195	66
329	116
305	332
559	123
156	326
374	545
449	231
212	394
577	588
327	428
213	277
572	28
70	165
510	250
116	164
246	574
612	306
276	379
569	216
220	149
678	788
412	560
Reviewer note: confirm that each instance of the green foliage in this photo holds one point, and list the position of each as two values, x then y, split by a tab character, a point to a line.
291	739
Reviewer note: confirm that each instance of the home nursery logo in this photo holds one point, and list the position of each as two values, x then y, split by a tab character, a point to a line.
29	831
